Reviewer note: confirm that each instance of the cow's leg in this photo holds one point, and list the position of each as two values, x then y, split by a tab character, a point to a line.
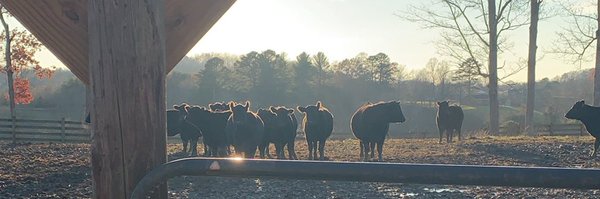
361	146
441	130
310	149
380	150
279	151
314	150
596	145
322	149
185	144
459	132
367	150
194	146
291	146
206	150
264	146
448	135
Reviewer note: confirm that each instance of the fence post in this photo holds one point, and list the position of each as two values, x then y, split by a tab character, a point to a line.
62	129
14	129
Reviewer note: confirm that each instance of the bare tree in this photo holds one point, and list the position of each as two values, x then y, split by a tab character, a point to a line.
576	41
464	24
533	27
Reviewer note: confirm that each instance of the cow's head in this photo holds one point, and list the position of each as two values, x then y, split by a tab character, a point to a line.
239	112
576	111
395	112
311	111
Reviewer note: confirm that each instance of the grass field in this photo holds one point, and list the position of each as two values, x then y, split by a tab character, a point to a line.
63	171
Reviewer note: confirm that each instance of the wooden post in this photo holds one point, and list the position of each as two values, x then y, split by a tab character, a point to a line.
127	71
62	129
14	129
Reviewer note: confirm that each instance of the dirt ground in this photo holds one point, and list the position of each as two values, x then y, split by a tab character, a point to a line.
63	170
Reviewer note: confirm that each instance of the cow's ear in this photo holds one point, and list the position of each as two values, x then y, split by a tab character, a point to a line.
247	106
318	104
176	106
301	109
439	103
290	111
231	105
273	109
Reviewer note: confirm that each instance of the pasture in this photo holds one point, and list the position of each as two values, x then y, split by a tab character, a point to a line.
63	170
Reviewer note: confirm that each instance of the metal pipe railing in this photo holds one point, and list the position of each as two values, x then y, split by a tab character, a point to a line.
544	177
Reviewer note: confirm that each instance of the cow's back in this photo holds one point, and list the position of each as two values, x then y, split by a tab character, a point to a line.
591	120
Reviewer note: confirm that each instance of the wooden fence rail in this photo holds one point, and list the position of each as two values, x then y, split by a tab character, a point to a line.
30	130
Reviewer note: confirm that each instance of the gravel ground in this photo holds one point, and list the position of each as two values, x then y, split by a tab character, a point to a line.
63	171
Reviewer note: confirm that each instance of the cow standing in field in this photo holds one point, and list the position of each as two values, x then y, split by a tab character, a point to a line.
289	126
212	124
371	123
449	120
244	129
217	107
590	117
177	124
280	129
318	125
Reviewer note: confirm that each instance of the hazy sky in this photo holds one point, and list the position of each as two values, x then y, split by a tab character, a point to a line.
342	29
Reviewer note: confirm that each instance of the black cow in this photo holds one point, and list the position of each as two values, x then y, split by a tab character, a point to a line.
590	117
449	119
371	123
177	124
289	127
212	124
217	107
271	135
280	129
318	125
245	129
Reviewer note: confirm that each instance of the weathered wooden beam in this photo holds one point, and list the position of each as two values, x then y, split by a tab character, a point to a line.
61	25
187	22
546	177
127	69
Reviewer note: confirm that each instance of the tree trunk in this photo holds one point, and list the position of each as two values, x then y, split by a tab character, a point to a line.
9	70
529	120
128	72
597	67
493	69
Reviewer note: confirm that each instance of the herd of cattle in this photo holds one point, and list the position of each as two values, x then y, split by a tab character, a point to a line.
223	125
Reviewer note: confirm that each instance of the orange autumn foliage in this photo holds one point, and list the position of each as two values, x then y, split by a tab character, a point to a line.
23	48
